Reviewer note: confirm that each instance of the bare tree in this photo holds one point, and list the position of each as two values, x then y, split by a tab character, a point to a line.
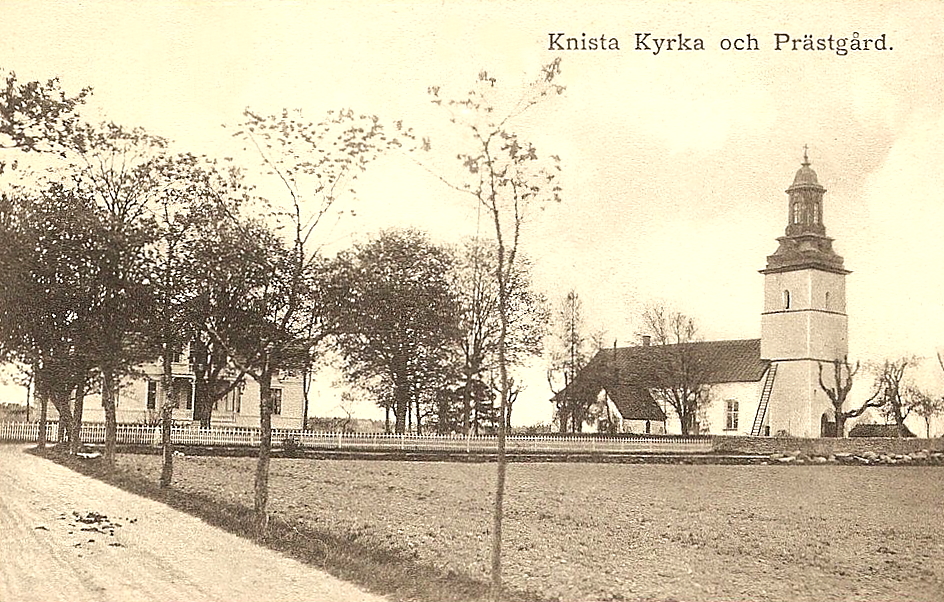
574	347
505	177
682	376
925	406
898	400
479	323
843	375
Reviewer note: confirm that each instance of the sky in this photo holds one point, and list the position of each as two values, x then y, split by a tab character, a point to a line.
674	164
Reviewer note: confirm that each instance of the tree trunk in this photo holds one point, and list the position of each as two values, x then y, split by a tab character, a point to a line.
306	386
387	418
419	426
75	438
401	407
900	423
202	406
498	510
29	388
60	400
43	405
261	517
64	426
840	424
111	419
168	403
467	406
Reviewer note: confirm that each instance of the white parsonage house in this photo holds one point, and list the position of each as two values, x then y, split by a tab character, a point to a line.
138	398
759	387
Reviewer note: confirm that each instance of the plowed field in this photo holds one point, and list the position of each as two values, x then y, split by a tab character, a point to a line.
624	532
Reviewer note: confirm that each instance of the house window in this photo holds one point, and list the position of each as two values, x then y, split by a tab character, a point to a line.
731	415
786	299
276	396
151	394
183	391
232	400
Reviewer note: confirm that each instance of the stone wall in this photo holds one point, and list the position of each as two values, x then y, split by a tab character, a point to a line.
824	446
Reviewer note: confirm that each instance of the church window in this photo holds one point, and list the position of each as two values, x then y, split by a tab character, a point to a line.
786	299
731	415
827	300
796	212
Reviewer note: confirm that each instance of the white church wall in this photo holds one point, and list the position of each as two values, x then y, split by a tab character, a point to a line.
797	402
715	414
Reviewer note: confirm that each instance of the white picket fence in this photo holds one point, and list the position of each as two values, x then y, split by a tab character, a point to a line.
240	436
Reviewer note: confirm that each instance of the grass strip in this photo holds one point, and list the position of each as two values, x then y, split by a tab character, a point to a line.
378	570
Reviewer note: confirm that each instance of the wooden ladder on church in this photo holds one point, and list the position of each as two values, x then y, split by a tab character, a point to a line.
764	400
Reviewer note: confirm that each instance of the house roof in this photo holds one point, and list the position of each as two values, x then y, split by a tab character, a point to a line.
877	430
716	361
635	403
628	373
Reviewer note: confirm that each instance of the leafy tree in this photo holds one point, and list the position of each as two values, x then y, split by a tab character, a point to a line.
682	379
315	163
398	320
49	282
38	116
480	324
124	171
192	189
506	177
838	392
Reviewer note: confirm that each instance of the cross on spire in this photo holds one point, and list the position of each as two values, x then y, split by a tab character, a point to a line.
806	159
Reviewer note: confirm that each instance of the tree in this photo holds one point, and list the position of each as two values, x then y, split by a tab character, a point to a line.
49	283
925	406
179	209
38	116
506	177
574	348
124	171
843	375
314	162
398	320
480	323
898	400
682	377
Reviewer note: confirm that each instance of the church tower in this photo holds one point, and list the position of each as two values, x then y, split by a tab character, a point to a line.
804	320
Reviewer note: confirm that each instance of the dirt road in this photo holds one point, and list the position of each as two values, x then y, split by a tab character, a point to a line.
64	536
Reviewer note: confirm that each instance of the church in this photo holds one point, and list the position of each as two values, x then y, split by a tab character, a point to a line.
757	387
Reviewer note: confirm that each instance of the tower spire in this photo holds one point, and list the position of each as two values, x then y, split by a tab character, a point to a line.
806	159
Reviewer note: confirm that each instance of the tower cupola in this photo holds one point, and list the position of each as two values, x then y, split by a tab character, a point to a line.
805	243
805	212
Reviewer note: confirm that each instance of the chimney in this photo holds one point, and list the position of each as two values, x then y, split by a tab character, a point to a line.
646	339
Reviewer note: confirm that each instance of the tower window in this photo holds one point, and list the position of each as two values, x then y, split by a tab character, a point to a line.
796	212
827	300
786	299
